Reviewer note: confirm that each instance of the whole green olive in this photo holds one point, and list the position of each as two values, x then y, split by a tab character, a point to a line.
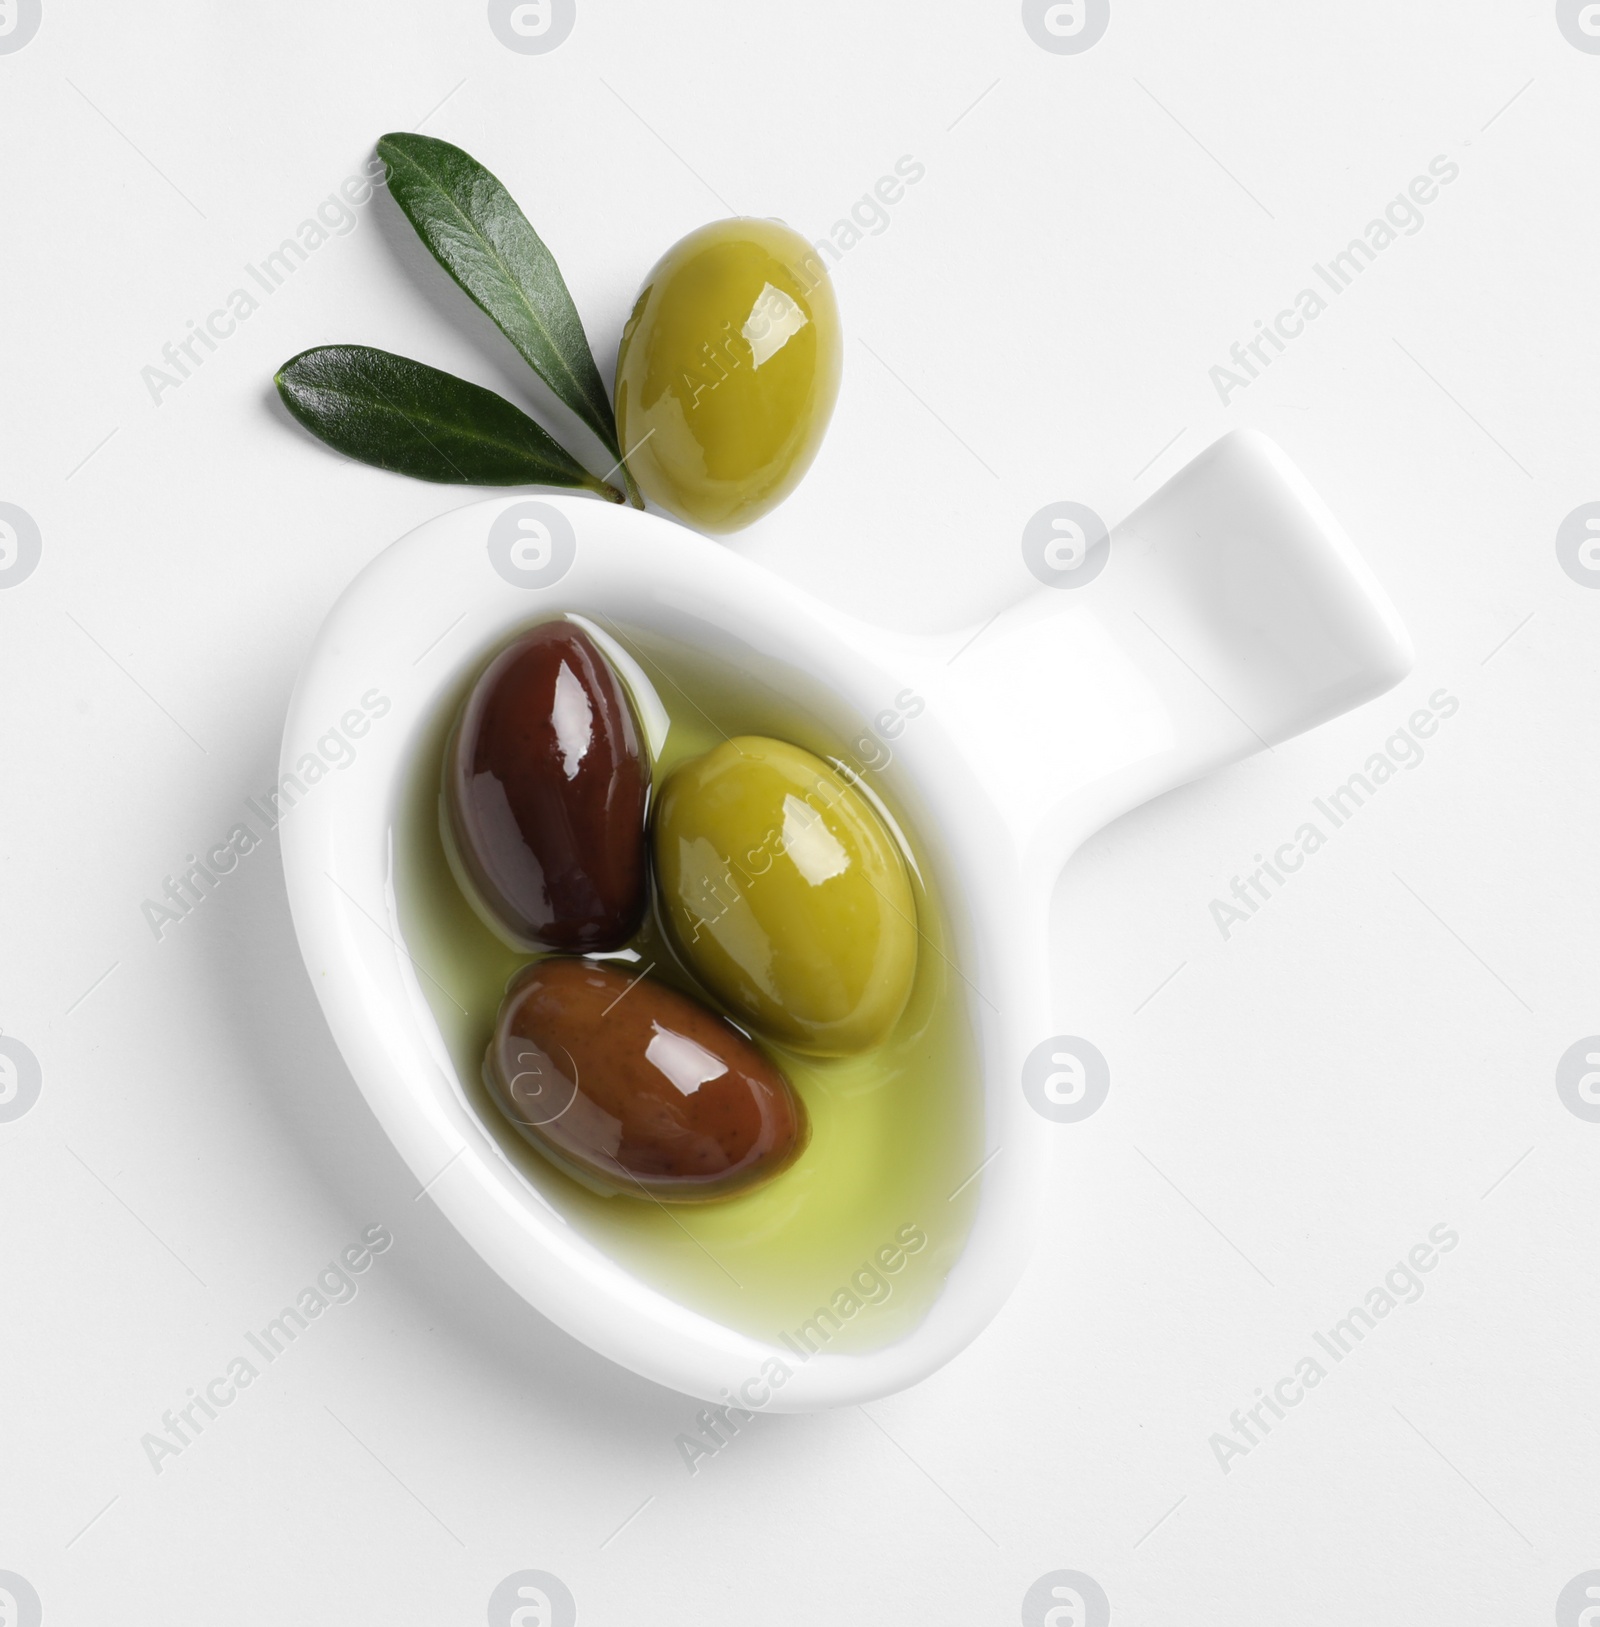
786	895
728	372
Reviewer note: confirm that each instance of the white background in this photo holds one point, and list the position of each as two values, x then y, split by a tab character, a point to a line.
1367	1057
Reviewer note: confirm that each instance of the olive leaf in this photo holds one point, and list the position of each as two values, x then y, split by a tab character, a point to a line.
475	230
410	418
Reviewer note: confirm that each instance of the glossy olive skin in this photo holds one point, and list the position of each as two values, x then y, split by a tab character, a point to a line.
634	1088
546	790
728	372
786	895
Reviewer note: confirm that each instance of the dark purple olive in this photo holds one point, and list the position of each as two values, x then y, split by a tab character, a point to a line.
545	792
635	1088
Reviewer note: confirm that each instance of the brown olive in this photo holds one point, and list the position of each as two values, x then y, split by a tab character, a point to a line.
545	795
632	1087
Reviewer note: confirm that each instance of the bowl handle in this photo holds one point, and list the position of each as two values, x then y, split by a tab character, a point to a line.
1228	613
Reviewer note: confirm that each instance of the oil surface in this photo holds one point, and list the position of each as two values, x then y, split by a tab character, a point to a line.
894	1132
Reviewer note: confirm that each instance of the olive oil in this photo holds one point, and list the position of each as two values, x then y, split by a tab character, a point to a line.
896	1131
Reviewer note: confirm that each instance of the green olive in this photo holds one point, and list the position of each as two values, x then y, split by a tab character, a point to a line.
728	372
787	895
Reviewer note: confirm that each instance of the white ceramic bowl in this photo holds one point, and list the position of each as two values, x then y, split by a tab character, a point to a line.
1229	613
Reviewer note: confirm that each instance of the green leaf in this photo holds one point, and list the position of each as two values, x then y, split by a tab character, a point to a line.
401	415
477	233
